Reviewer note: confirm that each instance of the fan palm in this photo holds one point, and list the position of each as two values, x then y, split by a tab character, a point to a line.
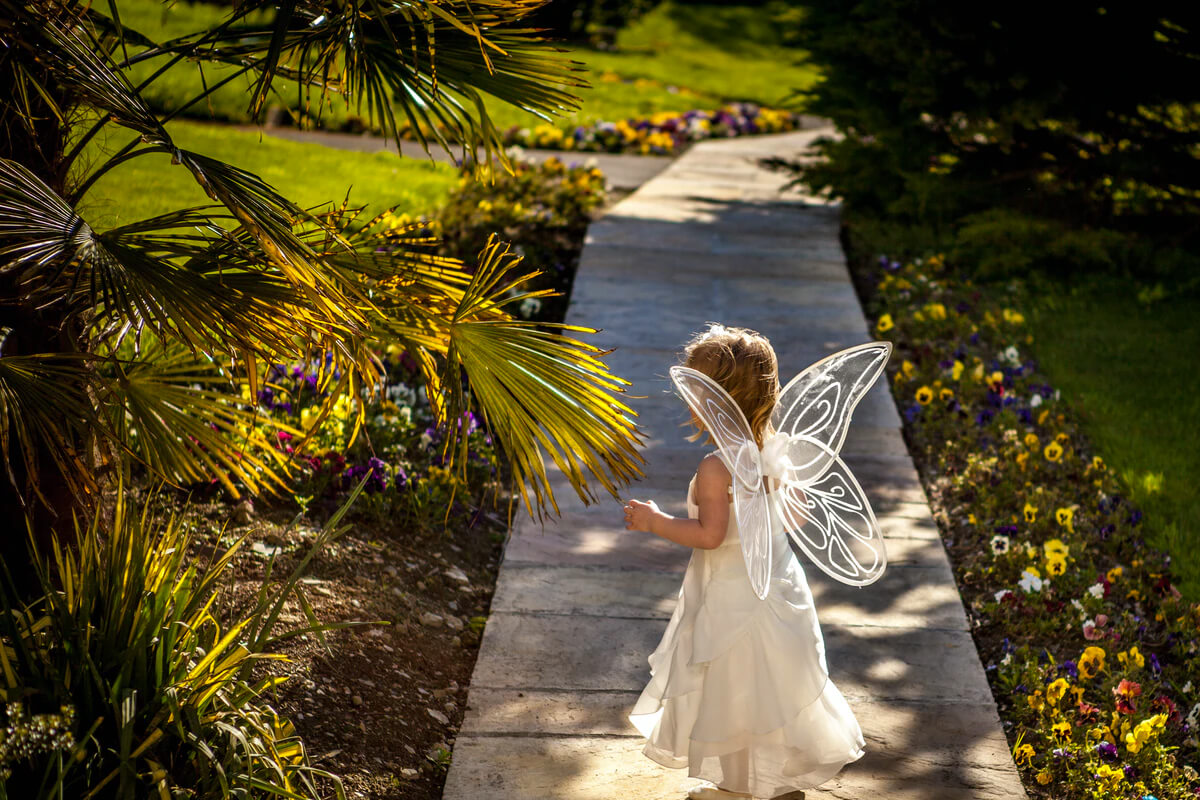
122	345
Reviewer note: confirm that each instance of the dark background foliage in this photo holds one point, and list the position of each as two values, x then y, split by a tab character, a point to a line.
1074	116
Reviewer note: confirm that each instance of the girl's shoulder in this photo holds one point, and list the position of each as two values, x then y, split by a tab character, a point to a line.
712	472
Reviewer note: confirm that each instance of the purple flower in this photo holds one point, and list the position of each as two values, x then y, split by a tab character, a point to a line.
984	417
974	338
1155	666
1025	415
1107	751
962	307
946	363
400	479
1135	517
1070	668
912	412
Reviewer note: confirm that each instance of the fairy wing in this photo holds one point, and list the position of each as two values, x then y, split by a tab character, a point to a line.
725	422
815	406
823	508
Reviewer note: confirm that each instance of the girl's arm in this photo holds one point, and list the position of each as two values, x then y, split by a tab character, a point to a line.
705	532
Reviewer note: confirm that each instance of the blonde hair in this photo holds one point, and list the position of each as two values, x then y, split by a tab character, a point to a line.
743	363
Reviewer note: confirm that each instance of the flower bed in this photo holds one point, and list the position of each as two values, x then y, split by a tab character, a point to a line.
543	210
1091	653
659	134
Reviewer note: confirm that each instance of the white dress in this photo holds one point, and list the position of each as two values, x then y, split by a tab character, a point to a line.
739	690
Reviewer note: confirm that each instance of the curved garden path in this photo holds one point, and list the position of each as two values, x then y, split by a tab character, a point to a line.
580	604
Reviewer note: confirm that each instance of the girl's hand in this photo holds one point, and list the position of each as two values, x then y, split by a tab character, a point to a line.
639	515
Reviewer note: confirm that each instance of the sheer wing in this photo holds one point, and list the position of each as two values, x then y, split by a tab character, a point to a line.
830	520
814	408
727	425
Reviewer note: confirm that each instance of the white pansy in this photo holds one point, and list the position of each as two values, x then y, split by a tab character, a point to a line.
1096	590
1035	401
1187	688
1012	356
1193	716
1000	594
1030	582
1000	544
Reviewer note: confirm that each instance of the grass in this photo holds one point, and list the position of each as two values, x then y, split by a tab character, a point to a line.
675	58
1129	369
309	174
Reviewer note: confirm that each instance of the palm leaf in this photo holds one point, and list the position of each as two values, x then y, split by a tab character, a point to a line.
181	420
540	392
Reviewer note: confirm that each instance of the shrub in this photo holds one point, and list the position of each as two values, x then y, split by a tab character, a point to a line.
122	682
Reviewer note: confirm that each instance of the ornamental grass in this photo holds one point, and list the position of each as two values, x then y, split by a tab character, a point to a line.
1090	650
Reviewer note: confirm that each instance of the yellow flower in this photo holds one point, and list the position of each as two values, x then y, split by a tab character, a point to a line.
1109	776
918	316
946	394
1054	547
957	370
1066	518
1061	732
1033	569
971	519
1056	690
908	368
1044	777
1030	513
1013	317
1053	451
1062	438
1042	417
1031	440
1134	595
1023	754
977	373
924	395
1091	663
1056	565
885	323
1021	459
1132	658
1036	702
1114	573
935	311
1097	463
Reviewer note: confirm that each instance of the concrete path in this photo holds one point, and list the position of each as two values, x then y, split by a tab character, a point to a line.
624	172
580	604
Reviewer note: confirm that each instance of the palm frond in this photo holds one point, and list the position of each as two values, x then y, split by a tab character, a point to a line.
181	419
47	412
539	391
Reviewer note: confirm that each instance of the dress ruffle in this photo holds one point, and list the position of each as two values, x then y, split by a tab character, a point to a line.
739	691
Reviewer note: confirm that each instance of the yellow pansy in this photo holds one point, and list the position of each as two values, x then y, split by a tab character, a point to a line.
1030	513
1031	440
1097	463
885	323
1091	663
1041	420
1021	459
946	394
1013	317
1061	731
1043	777
1056	547
1053	451
1109	776
1023	754
977	373
924	395
1114	573
1056	690
1056	565
1066	518
957	370
908	368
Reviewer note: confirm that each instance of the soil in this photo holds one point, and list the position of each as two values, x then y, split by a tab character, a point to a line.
379	704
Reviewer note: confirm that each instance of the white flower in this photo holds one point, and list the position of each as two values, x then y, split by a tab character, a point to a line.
1000	594
1035	401
1000	544
1012	355
426	439
1007	659
1078	606
1187	688
1030	582
1096	590
1193	716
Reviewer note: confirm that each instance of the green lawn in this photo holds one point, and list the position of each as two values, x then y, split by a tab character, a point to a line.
675	58
308	174
1129	369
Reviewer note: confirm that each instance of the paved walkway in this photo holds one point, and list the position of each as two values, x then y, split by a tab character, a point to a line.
580	604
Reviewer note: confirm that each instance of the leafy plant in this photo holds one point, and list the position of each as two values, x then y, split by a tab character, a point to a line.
132	344
161	695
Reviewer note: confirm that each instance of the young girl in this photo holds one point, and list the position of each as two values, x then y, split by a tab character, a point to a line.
739	690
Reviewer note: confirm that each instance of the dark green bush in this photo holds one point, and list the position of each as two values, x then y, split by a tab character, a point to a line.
1084	112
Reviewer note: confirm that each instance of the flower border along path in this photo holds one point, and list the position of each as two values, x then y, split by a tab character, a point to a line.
581	603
